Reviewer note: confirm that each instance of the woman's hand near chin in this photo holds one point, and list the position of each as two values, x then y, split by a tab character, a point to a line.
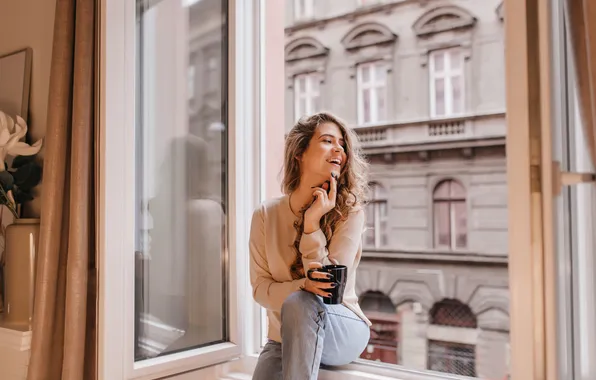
323	203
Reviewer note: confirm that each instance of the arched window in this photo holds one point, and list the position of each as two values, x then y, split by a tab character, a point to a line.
384	332
376	217
450	215
445	355
452	313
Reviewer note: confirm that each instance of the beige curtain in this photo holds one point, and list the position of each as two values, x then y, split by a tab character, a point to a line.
581	17
64	319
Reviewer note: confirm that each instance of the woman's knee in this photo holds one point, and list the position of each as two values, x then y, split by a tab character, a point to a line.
300	305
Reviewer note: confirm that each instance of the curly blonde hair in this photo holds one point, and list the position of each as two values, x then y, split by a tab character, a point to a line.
352	184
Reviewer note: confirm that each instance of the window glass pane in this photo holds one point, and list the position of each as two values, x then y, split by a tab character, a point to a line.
383	222
442	224
366	117
455	59
314	82
439	97
456	190
457	99
461	228
442	191
380	103
181	179
365	70
380	74
439	62
301	84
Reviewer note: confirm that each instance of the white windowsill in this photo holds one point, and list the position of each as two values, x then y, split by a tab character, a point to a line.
354	371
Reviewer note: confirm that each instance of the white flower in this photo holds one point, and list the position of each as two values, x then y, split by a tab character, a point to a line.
10	135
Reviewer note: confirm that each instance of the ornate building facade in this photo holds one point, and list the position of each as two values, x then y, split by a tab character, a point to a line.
422	82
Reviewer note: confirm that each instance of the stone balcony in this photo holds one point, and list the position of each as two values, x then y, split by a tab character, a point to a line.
467	131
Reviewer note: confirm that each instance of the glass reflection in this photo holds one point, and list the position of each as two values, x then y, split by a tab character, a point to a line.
181	176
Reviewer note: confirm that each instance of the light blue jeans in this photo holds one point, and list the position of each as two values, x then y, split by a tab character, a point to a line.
312	334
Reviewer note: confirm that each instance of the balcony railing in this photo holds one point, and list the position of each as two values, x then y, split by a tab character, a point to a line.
429	134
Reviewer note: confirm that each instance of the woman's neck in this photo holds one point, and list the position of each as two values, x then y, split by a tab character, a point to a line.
302	195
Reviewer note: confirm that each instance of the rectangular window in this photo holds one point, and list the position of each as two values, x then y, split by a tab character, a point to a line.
307	94
181	185
303	9
372	92
446	83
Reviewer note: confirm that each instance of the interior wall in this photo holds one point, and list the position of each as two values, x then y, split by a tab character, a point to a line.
30	23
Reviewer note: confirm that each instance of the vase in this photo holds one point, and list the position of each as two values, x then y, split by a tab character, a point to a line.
22	239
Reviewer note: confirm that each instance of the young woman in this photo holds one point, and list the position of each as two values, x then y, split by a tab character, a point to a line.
319	221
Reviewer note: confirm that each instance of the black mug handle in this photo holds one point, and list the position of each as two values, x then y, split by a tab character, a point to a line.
312	270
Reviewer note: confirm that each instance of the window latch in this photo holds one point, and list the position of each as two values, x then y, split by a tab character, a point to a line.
561	178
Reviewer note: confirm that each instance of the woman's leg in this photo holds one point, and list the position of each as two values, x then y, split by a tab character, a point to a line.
346	336
269	363
312	330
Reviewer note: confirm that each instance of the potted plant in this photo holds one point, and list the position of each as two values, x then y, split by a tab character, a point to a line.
20	172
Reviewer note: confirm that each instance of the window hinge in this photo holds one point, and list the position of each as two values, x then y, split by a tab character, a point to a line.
561	178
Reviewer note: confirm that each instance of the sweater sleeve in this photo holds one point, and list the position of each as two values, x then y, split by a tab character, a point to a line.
343	247
266	291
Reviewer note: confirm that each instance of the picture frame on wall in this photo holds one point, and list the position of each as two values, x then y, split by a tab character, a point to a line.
15	82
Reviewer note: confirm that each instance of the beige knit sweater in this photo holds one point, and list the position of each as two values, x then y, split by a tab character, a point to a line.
271	254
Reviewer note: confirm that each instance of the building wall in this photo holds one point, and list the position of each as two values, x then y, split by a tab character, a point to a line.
410	181
484	288
408	77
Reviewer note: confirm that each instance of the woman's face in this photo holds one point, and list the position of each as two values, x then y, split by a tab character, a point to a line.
325	153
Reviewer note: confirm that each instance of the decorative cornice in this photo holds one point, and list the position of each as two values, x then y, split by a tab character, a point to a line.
368	34
443	19
304	48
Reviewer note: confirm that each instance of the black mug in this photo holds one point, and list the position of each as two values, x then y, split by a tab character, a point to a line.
339	275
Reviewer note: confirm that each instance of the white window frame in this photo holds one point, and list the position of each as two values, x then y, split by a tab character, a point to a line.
447	74
116	215
303	13
116	112
373	84
309	95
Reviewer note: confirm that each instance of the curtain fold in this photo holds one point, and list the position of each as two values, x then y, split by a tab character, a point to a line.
64	321
581	21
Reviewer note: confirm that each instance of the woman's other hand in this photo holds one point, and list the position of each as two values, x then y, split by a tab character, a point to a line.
317	287
322	204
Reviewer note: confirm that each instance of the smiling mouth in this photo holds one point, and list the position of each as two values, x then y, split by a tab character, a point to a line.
335	161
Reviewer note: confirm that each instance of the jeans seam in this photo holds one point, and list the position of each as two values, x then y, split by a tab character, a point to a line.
345	316
312	367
